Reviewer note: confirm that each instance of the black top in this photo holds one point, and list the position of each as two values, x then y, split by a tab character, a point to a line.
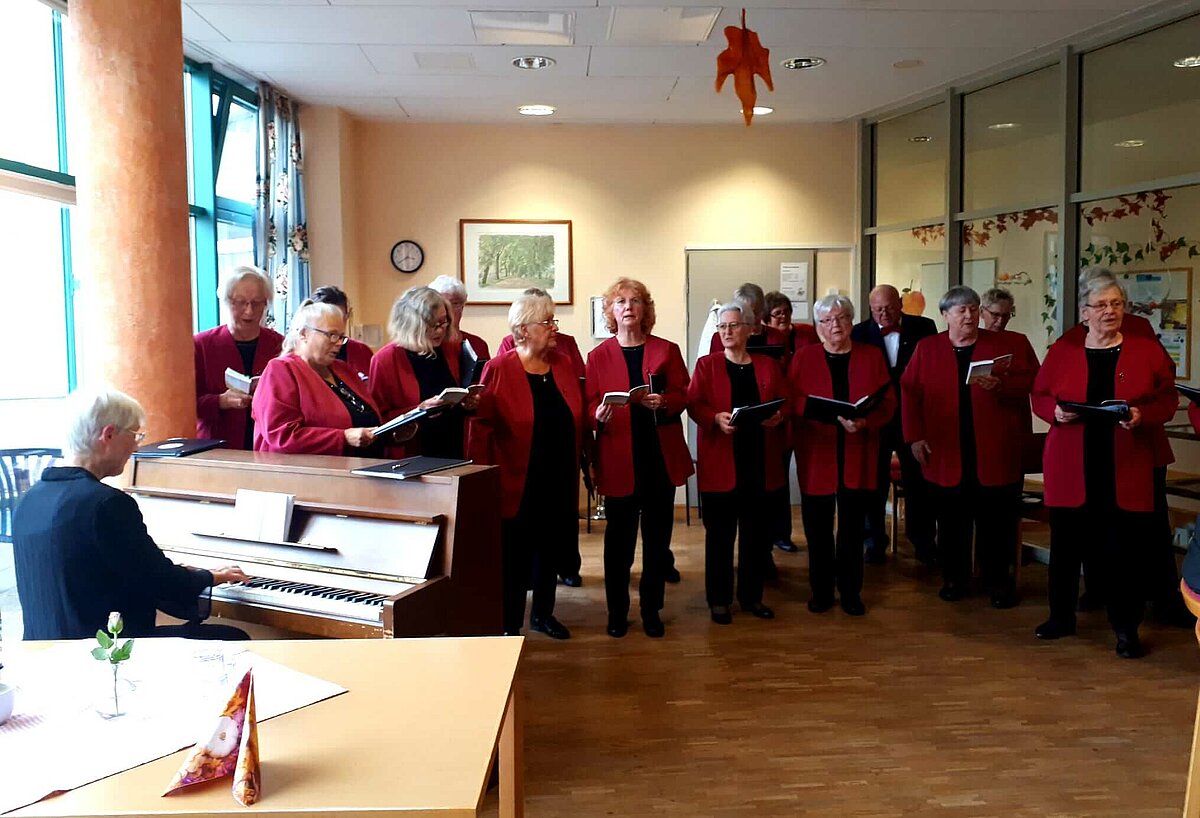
442	434
361	415
81	550
343	352
748	441
551	481
966	417
839	375
1099	468
247	349
649	468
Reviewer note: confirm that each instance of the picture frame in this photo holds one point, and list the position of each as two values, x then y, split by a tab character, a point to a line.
1163	296
599	321
500	258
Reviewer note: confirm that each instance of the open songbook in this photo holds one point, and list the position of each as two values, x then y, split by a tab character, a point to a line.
828	410
411	416
753	415
455	395
981	369
623	398
241	383
1111	409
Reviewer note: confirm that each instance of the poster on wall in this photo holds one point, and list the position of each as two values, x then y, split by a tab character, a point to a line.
1164	298
793	282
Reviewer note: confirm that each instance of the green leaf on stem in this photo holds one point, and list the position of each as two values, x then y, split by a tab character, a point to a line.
104	639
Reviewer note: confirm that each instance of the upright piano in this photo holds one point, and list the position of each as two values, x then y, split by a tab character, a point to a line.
365	557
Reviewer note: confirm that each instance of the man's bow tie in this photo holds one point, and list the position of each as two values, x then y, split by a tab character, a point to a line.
888	331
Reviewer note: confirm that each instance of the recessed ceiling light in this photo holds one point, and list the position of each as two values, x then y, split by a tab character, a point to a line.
532	62
1188	62
536	110
763	110
1129	143
920	139
902	64
801	63
1003	126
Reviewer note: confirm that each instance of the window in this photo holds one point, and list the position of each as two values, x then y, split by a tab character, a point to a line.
910	167
914	262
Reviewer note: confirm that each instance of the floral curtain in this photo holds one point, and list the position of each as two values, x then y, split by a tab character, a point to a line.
281	242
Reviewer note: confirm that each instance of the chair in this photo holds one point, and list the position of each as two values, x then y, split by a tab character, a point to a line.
19	469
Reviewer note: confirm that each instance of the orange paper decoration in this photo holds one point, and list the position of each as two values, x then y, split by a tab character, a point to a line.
744	58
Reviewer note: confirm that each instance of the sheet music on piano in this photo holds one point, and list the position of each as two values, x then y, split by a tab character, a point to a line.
265	516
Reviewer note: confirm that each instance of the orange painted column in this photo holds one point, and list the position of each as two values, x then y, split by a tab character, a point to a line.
130	165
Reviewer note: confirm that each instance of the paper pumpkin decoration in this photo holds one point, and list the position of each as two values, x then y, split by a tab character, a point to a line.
744	58
232	749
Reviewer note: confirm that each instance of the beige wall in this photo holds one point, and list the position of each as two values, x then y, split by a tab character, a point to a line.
637	197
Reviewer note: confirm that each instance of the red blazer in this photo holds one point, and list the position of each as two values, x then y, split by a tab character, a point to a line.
710	393
1194	416
606	372
358	357
815	442
1146	378
393	384
775	337
566	346
478	344
296	412
929	410
215	352
501	430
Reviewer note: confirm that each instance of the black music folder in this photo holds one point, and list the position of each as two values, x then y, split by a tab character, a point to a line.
828	410
177	447
775	351
1105	410
411	467
756	414
1189	392
411	416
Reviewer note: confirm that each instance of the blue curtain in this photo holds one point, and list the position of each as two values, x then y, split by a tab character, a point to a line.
281	243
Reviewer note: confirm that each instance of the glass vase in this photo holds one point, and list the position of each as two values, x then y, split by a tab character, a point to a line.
116	692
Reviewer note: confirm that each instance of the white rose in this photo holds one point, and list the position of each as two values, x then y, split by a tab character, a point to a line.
224	738
115	623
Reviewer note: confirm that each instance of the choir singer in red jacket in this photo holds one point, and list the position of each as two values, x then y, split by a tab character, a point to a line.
1099	467
837	451
242	344
965	429
737	464
640	454
529	423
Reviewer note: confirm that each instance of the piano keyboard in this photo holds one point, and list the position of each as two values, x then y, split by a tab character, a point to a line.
319	599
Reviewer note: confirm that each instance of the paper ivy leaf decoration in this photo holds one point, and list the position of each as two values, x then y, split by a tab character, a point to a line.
744	58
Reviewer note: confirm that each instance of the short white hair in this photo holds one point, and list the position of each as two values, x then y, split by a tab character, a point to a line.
740	308
309	312
834	301
245	272
446	285
88	412
528	308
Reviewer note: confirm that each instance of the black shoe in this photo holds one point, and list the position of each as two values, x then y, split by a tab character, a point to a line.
853	607
819	605
571	580
1003	600
672	575
617	629
761	611
952	592
550	626
770	571
875	556
721	615
652	624
1129	646
787	546
1089	601
1054	629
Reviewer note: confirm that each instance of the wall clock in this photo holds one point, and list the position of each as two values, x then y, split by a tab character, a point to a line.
407	256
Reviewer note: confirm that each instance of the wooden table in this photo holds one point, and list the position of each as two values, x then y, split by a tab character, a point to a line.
414	735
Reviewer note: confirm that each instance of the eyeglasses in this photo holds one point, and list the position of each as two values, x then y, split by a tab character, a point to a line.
834	319
1001	315
1101	306
138	435
549	322
732	325
781	314
240	304
335	338
437	325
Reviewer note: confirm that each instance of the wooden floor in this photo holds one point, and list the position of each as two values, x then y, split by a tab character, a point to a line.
921	708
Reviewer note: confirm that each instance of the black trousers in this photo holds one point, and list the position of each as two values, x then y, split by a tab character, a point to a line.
728	515
989	516
654	509
1115	542
920	525
835	562
199	630
532	543
780	503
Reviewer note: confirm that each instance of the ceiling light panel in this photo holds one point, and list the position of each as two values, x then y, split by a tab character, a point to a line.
523	27
445	62
489	60
675	25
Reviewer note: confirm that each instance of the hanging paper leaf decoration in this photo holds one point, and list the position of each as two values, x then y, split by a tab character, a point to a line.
744	58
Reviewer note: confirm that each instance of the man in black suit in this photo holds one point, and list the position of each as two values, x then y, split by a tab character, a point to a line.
82	550
897	335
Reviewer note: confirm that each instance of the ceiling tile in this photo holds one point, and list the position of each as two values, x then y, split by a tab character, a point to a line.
675	25
197	29
266	57
489	60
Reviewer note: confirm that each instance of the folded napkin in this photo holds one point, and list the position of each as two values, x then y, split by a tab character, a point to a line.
232	749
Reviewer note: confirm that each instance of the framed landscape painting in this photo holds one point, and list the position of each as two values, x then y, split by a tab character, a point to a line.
499	258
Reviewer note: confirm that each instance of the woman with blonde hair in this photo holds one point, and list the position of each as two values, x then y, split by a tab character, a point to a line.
640	455
421	361
529	423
